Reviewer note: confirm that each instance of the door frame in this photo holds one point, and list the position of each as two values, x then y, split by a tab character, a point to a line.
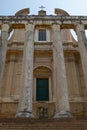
50	88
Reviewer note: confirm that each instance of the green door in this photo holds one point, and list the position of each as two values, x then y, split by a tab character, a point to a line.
42	89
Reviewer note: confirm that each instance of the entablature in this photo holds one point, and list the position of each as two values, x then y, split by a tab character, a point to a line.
65	21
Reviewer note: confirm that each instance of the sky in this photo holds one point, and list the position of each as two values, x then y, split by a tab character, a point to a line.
73	7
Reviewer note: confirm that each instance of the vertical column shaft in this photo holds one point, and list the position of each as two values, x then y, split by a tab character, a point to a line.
82	43
25	105
3	48
62	101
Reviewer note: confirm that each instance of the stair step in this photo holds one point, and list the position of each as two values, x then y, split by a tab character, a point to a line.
46	124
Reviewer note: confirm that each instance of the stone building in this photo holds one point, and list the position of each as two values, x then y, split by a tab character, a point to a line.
43	69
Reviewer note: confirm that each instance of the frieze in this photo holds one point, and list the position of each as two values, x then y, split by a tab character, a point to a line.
48	19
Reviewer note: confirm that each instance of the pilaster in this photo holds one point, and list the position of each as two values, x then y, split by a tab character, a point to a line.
10	76
72	76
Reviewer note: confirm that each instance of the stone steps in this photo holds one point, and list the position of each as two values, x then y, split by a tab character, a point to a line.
44	124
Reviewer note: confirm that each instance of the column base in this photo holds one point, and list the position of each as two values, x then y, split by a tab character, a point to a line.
25	114
63	115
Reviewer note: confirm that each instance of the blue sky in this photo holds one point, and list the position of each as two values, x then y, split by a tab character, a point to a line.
73	7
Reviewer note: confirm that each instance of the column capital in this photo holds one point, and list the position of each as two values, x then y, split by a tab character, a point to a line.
29	26
79	27
56	26
55	23
5	27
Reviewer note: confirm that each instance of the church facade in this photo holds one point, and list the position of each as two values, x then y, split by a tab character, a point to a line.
43	69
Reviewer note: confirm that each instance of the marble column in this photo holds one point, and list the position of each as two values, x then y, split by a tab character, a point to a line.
62	101
3	48
25	104
82	43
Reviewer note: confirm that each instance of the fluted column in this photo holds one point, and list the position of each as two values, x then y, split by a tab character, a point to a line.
25	105
3	48
82	43
62	101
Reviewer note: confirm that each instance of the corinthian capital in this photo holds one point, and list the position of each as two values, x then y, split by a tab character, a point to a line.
5	27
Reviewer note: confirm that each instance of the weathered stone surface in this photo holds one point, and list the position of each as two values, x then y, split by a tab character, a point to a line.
62	101
3	49
25	108
45	124
48	55
82	43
